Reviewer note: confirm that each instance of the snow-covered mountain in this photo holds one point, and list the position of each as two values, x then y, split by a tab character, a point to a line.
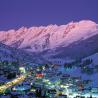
74	40
49	37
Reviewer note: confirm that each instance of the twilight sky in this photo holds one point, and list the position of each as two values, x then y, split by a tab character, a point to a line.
17	13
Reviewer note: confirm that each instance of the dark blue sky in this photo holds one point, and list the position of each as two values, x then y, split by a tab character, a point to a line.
18	13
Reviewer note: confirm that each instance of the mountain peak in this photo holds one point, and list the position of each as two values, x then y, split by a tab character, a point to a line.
87	23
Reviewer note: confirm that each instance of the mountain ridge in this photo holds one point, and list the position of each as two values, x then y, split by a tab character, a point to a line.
41	38
55	41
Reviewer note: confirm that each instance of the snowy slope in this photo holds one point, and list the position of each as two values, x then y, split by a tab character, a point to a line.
11	54
94	57
49	37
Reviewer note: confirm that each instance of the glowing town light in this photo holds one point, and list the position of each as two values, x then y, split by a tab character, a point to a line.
13	82
22	70
45	80
14	89
49	83
63	86
32	90
39	75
